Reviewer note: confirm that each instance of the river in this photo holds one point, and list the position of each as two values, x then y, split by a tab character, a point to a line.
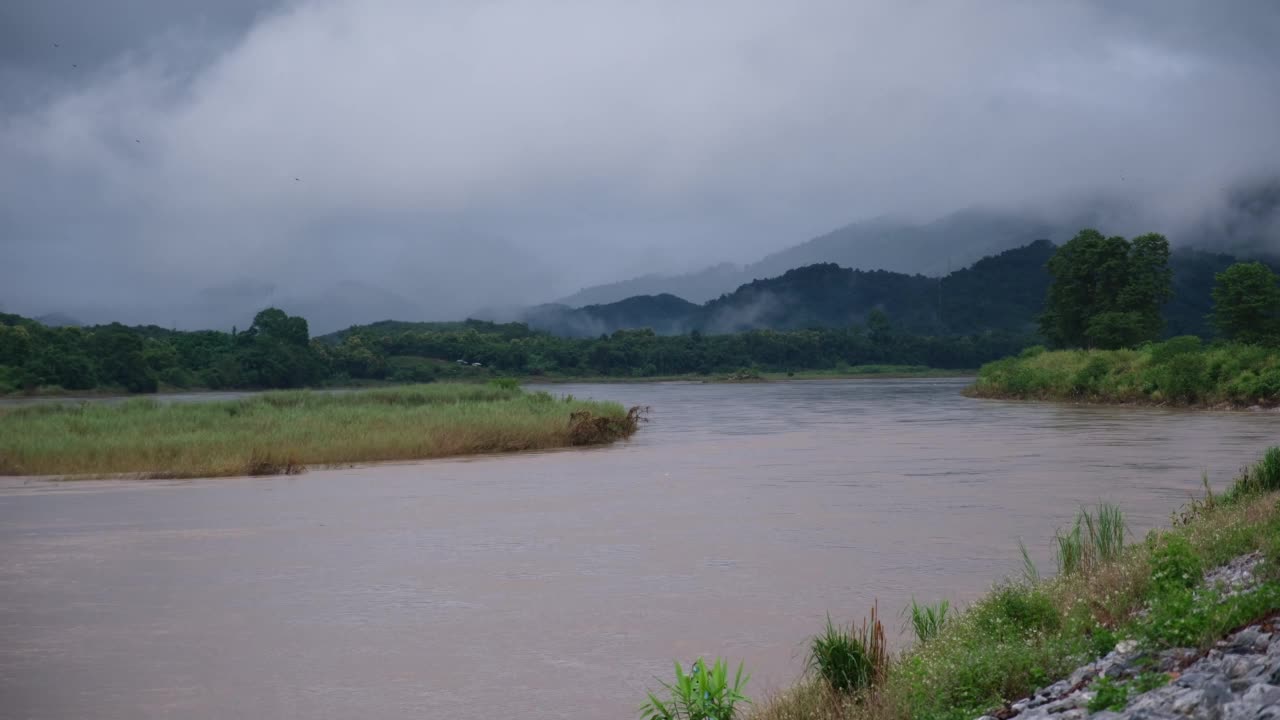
561	584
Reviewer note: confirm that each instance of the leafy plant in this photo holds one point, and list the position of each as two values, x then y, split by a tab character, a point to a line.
1148	681
1108	695
850	659
1174	565
700	694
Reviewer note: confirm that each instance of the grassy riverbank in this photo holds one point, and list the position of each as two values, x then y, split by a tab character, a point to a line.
283	432
1033	630
1180	371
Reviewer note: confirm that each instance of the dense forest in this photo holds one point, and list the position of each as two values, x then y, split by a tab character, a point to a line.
819	317
275	352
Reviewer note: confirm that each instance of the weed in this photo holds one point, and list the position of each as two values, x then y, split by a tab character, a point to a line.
1108	695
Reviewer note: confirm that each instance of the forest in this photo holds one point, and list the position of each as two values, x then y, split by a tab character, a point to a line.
820	317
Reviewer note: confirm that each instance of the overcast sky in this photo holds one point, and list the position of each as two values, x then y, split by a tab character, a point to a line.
464	153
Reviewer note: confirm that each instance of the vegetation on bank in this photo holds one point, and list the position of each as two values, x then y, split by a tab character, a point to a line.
1031	630
1103	314
284	432
1181	371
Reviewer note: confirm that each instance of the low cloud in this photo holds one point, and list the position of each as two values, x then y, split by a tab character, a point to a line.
461	155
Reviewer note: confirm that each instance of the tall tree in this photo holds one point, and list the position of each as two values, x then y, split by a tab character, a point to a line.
1106	291
1246	304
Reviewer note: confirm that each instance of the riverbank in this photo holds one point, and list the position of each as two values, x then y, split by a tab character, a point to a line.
1033	641
1178	372
285	432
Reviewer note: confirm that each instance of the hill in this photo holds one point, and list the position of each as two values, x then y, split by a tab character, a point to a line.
900	246
1000	292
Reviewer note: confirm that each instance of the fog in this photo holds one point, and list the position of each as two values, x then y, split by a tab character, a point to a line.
184	162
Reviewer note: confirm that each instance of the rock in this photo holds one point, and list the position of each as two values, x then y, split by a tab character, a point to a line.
1238	680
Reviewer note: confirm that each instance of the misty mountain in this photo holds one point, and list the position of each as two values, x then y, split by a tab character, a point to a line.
1001	292
932	248
58	320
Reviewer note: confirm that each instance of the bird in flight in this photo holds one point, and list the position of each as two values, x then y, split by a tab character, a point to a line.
56	45
297	179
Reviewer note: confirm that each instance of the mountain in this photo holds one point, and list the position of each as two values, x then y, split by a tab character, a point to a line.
1001	292
932	248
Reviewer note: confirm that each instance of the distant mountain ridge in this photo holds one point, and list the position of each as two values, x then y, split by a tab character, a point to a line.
932	248
1003	292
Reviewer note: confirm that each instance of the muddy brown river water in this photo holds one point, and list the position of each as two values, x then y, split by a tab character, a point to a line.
560	584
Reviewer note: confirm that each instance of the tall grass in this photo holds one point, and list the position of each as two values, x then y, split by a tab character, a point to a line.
282	432
1180	371
927	620
1094	538
850	659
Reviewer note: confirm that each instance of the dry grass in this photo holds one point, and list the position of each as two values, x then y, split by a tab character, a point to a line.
282	433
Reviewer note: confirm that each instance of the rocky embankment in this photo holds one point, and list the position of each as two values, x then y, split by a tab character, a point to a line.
1237	679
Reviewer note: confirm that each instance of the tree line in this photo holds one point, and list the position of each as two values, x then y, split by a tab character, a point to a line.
276	351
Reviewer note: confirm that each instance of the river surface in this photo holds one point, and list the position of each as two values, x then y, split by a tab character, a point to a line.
561	584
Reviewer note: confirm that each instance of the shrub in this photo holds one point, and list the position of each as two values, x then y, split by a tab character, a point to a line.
850	659
505	383
1174	566
701	694
1017	608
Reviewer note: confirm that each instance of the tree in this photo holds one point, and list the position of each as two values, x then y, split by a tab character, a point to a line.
1246	304
119	352
1106	291
275	352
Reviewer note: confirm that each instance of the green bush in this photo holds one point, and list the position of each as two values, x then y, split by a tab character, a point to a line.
1018	609
1174	566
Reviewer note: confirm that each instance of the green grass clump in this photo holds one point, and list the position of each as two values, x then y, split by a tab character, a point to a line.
283	432
1180	371
1027	633
849	659
1096	537
927	620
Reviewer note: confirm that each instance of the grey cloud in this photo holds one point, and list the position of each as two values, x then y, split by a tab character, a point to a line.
459	155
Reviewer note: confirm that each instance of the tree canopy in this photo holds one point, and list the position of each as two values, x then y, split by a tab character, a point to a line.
1246	304
1107	292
